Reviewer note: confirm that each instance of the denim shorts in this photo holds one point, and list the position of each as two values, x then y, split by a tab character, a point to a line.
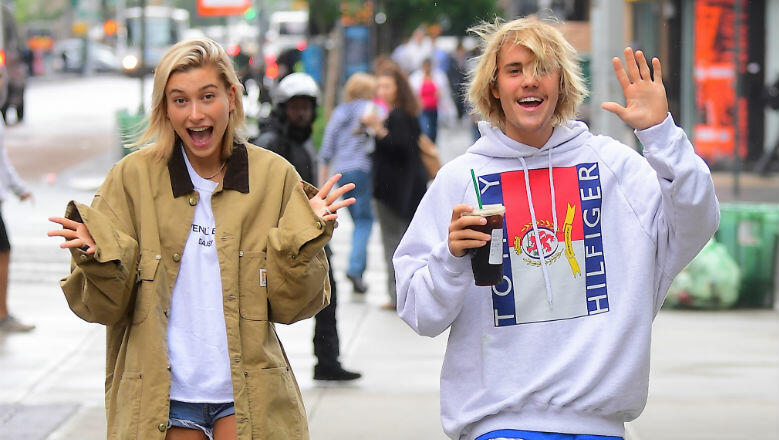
200	416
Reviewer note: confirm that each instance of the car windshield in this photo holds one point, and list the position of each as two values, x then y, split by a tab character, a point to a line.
160	31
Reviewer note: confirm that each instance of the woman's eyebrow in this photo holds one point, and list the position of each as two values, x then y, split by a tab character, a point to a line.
207	86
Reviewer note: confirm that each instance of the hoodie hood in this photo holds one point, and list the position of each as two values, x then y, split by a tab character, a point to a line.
494	143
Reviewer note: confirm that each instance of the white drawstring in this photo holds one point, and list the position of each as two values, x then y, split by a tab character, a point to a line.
551	185
538	236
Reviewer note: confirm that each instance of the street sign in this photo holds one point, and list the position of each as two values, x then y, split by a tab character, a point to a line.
222	7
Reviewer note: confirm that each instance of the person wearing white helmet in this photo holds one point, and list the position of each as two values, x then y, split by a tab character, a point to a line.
287	132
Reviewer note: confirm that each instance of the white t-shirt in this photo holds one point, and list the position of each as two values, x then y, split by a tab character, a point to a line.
197	337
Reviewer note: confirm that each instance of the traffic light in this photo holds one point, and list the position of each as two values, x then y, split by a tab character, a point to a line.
250	13
110	27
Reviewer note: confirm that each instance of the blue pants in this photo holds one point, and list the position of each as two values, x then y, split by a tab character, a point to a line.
362	215
428	121
533	435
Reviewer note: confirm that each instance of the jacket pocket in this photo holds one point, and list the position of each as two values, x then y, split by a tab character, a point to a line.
145	293
275	404
253	293
127	406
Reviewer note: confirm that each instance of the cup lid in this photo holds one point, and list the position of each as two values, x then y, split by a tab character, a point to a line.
487	210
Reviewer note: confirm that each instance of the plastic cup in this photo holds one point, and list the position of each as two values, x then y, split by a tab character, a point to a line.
487	261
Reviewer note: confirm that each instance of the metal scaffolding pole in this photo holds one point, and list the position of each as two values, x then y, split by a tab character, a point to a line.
607	34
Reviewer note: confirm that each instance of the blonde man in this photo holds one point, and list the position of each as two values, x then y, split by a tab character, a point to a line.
557	347
193	247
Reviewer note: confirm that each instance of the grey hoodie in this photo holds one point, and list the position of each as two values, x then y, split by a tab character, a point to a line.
594	234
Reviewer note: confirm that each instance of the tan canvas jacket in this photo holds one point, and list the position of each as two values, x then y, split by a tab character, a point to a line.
273	269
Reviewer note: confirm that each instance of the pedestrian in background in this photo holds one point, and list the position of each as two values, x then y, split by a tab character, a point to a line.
192	249
432	89
399	178
594	234
288	133
9	180
346	146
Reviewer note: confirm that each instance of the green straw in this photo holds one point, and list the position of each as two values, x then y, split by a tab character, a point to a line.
476	188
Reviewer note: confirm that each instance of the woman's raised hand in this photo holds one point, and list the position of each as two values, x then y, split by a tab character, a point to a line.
325	203
76	234
646	104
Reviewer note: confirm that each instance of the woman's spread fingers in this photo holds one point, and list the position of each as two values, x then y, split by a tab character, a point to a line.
338	192
65	222
71	244
325	190
342	204
68	234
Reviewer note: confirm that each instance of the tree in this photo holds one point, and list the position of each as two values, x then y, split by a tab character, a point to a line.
403	16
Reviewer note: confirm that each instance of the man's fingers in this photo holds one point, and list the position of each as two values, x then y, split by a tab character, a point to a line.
658	71
630	64
643	67
458	210
622	77
613	107
469	234
465	221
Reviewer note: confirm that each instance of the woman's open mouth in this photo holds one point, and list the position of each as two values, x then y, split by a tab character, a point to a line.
200	136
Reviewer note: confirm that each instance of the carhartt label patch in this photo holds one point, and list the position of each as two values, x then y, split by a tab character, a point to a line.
263	278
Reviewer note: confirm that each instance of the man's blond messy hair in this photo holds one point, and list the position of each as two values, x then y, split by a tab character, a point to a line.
552	53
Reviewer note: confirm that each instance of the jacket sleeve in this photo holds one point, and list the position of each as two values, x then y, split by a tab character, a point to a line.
298	284
99	287
432	283
686	215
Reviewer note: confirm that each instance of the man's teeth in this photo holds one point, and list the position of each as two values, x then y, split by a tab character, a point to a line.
527	100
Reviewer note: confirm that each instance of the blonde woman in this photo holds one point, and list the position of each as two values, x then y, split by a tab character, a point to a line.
593	235
346	146
192	249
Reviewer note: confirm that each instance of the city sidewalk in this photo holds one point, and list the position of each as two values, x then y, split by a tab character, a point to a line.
715	375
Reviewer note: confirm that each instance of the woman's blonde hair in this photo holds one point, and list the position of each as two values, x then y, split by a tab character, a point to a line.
360	86
182	57
552	53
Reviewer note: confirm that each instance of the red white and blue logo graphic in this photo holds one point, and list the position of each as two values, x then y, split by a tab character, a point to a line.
573	252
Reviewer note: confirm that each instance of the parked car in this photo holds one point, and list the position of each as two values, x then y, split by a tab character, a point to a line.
13	65
69	56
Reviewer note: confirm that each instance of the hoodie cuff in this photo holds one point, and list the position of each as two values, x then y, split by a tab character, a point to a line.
452	265
656	136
